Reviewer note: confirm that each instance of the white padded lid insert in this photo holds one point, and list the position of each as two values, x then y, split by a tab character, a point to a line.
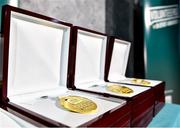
119	60
38	54
90	57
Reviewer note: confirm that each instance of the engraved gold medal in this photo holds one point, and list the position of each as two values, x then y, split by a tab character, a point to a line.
116	88
140	81
78	104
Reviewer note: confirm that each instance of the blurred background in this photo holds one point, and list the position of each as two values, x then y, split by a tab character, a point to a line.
155	51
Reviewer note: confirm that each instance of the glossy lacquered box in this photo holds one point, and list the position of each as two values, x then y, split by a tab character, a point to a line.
35	73
118	59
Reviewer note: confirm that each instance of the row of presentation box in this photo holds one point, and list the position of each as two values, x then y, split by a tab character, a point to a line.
114	112
44	59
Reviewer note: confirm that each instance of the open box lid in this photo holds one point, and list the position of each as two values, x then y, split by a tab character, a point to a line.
119	52
119	59
91	50
35	52
89	63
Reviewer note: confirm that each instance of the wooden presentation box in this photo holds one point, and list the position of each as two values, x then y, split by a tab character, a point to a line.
116	68
35	73
89	69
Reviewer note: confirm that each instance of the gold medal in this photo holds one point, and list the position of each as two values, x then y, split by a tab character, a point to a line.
78	104
140	81
119	89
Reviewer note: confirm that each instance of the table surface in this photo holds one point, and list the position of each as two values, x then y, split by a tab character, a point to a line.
169	116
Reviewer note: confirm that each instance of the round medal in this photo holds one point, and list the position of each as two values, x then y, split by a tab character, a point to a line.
140	81
119	89
78	104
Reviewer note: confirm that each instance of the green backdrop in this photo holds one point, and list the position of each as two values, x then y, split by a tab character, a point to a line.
2	2
11	2
161	44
